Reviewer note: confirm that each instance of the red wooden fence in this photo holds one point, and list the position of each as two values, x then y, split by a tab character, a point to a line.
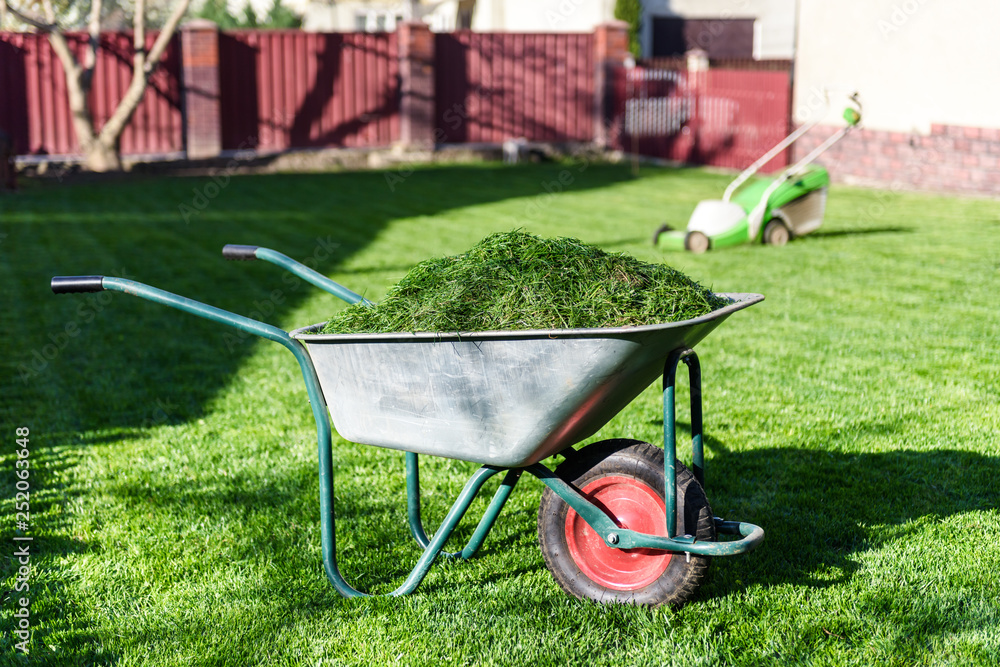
719	117
289	89
284	89
34	108
490	87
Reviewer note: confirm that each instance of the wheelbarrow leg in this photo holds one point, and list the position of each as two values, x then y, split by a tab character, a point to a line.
485	524
326	501
670	429
492	512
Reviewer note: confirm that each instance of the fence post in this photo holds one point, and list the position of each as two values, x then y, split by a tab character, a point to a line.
416	85
200	92
697	77
610	51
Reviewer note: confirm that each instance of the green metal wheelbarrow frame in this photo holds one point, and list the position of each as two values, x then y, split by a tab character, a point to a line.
614	536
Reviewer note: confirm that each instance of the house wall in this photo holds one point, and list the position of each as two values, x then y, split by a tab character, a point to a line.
342	16
774	31
925	71
915	62
541	15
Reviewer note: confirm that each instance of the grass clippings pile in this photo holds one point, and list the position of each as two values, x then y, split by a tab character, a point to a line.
517	281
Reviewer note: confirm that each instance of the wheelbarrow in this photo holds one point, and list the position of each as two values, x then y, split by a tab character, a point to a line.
610	527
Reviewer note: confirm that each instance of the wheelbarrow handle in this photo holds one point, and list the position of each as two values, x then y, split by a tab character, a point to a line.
69	284
77	284
239	253
251	252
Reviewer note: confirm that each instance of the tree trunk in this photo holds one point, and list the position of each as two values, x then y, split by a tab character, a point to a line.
102	157
100	145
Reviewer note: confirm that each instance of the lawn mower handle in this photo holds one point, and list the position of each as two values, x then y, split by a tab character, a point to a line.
251	252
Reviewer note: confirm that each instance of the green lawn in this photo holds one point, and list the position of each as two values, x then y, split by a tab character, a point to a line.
853	414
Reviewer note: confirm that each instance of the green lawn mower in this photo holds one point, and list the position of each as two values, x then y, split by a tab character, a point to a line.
769	210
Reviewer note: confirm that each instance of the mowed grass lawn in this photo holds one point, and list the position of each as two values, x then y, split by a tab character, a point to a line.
173	488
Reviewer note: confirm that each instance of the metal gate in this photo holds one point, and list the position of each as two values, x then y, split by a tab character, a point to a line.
724	117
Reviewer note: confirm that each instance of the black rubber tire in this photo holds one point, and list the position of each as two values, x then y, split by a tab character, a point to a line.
776	233
644	463
697	242
660	230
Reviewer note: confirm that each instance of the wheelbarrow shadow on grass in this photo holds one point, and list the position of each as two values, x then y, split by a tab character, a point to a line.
269	516
820	509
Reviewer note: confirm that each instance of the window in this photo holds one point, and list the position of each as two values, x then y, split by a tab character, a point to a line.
721	38
372	21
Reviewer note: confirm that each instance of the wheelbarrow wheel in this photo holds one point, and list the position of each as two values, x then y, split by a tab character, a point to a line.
776	233
626	478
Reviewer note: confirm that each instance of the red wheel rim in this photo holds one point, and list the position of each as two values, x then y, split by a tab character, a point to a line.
633	505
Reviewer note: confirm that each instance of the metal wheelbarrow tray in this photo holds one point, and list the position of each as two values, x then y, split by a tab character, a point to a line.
610	527
504	398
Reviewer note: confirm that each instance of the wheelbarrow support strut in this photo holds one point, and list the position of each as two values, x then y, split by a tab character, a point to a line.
617	537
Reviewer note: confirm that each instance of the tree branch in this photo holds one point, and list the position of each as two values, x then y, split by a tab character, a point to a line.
94	29
166	33
145	64
139	25
77	85
34	21
50	13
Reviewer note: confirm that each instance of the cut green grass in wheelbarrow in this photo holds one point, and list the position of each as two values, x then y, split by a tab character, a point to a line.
514	281
620	520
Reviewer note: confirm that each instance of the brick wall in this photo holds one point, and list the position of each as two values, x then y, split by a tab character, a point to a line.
951	158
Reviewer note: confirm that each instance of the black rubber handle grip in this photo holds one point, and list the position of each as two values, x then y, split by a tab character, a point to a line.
243	253
74	284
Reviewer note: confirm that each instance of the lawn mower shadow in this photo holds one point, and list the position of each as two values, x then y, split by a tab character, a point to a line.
631	241
820	508
834	233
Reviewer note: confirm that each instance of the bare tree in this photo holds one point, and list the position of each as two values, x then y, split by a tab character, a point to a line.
100	145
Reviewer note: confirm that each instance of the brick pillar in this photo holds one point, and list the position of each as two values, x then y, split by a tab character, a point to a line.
610	51
416	83
200	77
